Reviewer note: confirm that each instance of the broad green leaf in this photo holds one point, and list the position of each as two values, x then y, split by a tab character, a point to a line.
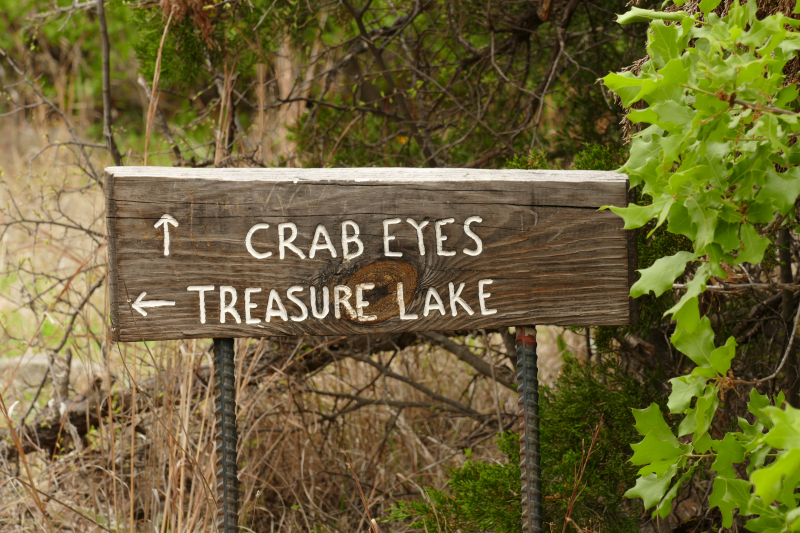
768	481
702	443
636	216
727	235
704	414
722	356
665	43
785	433
707	6
753	245
652	449
651	488
729	451
650	420
693	289
665	507
757	405
729	494
704	219
781	190
672	116
689	423
627	85
698	345
680	222
786	95
684	388
688	316
660	277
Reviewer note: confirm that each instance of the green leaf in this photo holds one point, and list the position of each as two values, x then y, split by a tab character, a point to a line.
704	219
646	15
785	433
781	190
684	388
693	289
697	420
651	420
698	345
680	222
636	216
721	357
729	494
753	245
688	316
727	235
651	488
666	43
665	507
786	95
757	405
729	451
627	85
768	481
707	6
660	277
672	116
652	449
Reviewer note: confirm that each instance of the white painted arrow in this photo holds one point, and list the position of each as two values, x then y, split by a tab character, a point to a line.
165	221
140	304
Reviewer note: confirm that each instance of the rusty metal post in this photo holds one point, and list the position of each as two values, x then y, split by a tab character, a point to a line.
227	438
530	464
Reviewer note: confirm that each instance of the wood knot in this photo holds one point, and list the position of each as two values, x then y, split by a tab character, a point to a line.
383	298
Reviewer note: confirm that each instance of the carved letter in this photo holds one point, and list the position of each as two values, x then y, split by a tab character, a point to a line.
441	238
402	305
361	303
325	302
439	304
280	311
298	303
249	244
419	227
347	240
478	242
387	238
455	297
287	243
321	232
338	290
482	297
248	306
202	290
227	308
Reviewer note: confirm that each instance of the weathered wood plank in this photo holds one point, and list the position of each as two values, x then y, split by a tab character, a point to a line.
552	258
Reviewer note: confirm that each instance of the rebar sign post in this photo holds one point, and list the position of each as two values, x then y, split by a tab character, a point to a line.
227	438
530	464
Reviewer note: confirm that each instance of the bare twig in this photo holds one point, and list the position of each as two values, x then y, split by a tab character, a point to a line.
151	110
105	47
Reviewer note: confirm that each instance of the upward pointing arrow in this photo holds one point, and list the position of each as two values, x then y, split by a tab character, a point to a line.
165	221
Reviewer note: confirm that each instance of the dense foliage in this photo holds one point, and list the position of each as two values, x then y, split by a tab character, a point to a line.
719	162
483	496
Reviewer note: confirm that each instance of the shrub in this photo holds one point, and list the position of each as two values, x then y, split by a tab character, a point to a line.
485	495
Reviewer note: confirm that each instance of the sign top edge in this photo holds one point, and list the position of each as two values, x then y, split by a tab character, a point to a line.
366	174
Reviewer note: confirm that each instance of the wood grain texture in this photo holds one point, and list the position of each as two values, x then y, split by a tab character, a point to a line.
553	258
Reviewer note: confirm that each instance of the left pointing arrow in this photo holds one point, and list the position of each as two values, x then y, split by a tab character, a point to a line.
140	304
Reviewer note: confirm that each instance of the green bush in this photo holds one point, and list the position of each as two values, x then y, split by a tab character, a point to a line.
598	157
485	495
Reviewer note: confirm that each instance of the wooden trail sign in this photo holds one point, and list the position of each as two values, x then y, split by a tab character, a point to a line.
196	253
